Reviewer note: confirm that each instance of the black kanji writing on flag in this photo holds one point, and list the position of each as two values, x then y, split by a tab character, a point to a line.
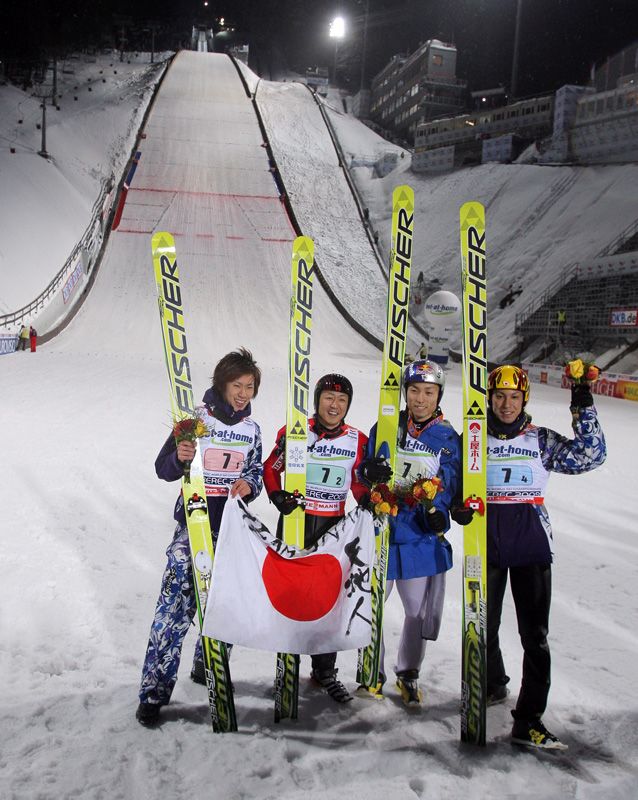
354	614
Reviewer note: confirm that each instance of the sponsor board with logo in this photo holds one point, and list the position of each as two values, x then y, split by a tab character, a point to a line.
609	384
624	317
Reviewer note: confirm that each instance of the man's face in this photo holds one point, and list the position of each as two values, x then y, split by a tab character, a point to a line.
507	404
422	400
332	408
239	393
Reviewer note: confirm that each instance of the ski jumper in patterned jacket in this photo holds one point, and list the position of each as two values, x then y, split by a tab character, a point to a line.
231	450
519	463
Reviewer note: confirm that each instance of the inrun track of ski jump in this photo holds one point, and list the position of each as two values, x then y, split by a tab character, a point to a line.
86	521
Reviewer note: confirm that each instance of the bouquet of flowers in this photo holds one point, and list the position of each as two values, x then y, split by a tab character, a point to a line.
579	371
421	492
384	500
188	429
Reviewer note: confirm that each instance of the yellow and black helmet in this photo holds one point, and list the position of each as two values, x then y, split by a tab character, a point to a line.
509	377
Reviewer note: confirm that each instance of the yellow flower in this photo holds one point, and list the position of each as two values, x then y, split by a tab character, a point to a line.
576	368
200	429
383	508
430	490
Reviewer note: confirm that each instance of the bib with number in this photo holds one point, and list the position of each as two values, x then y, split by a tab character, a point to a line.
329	471
224	451
414	459
515	471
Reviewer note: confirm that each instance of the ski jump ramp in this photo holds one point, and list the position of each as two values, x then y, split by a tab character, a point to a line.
203	174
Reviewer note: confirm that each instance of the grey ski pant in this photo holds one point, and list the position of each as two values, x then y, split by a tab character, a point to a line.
422	600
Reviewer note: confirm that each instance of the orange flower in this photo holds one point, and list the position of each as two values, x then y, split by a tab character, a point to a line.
422	492
385	501
580	371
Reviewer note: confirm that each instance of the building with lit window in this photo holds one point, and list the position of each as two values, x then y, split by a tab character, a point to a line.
595	124
488	135
605	124
416	87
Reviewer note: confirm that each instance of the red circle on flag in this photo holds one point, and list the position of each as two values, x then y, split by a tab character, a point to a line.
303	589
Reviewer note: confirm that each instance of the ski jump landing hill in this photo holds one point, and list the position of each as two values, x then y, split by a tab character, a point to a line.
203	174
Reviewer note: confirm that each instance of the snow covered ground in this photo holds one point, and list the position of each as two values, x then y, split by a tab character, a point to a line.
87	522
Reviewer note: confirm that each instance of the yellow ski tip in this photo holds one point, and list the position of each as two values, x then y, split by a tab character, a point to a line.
304	247
163	241
470	213
402	196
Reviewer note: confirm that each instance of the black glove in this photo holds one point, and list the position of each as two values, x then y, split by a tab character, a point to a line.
365	503
462	515
437	521
581	396
284	501
375	470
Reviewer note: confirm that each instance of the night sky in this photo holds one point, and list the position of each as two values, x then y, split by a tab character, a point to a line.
560	39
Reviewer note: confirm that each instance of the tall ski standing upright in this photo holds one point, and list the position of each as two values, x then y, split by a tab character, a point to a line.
474	653
169	295
287	673
389	406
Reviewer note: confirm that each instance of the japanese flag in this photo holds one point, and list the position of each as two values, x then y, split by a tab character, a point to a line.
272	596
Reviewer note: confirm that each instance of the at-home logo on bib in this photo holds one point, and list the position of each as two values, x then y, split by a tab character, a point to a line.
330	451
230	437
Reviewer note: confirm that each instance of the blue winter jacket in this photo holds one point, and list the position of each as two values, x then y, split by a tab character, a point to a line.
169	468
415	550
520	534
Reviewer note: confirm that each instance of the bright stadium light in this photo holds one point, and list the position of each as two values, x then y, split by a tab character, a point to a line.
337	32
337	28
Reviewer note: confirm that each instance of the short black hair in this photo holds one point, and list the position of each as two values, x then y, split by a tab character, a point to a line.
232	366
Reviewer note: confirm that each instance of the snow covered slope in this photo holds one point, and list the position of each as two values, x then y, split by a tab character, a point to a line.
89	134
322	199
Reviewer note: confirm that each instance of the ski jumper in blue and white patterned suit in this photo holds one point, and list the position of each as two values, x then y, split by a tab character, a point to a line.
228	431
519	538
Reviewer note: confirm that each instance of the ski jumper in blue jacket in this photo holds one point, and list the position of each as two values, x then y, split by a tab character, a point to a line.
419	555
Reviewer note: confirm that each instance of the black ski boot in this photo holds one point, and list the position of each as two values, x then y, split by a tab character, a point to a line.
329	683
533	733
147	714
